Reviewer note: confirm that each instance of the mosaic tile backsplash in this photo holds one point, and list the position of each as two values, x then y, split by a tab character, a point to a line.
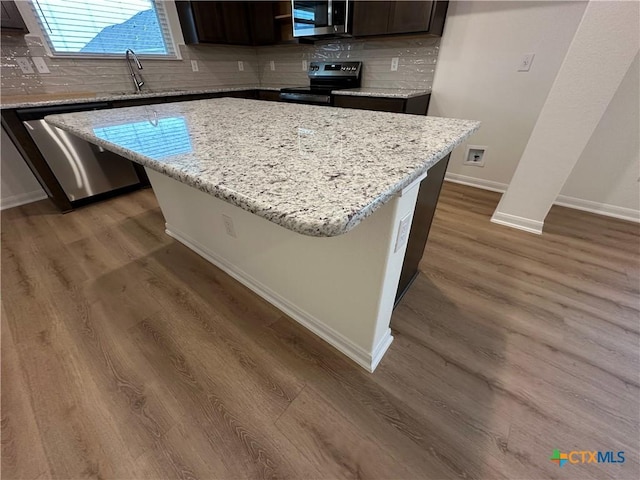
218	65
417	57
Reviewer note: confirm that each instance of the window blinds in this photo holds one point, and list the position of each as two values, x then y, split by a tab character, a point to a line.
104	27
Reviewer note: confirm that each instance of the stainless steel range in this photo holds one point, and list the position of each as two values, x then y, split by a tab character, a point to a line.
323	78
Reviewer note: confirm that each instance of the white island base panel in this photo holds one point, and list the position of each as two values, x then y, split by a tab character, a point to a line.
341	288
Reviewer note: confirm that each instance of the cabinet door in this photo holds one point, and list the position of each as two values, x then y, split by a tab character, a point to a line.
407	17
236	22
10	17
262	21
208	20
370	18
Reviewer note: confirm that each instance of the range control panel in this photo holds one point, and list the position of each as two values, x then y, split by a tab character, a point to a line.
334	69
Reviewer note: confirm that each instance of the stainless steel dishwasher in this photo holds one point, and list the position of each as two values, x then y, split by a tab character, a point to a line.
82	168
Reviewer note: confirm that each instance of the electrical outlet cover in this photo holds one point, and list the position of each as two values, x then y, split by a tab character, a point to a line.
24	64
194	66
272	65
475	155
403	232
40	64
228	225
525	62
241	65
394	64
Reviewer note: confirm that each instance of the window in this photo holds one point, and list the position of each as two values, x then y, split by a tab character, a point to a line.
104	27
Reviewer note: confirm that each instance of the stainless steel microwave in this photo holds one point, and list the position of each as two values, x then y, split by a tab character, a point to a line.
316	18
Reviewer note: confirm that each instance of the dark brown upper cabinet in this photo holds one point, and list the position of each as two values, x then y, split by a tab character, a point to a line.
236	23
11	20
392	18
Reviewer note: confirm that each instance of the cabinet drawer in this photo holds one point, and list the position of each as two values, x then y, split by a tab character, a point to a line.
370	103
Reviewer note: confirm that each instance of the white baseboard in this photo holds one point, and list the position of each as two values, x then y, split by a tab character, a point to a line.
562	200
476	182
22	199
521	223
599	208
367	360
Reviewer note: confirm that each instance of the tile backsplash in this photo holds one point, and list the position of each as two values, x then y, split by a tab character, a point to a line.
218	65
416	55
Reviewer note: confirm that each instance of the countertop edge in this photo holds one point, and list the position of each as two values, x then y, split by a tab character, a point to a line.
127	96
375	93
363	92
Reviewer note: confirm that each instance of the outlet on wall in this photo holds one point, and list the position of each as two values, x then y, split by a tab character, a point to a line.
394	64
24	64
525	62
241	65
403	232
228	225
272	65
304	65
474	155
40	64
194	66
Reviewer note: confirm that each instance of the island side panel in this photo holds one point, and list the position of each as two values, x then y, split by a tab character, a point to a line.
341	288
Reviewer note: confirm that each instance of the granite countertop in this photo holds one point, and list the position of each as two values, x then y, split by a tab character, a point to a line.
381	92
315	170
53	99
45	100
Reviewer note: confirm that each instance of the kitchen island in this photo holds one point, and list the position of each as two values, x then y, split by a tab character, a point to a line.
308	206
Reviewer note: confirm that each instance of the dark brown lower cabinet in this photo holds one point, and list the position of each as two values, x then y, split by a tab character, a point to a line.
269	95
428	196
414	105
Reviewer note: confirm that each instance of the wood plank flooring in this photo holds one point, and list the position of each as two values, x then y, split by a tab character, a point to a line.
127	356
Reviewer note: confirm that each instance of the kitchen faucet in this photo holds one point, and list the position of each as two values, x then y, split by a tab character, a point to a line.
136	82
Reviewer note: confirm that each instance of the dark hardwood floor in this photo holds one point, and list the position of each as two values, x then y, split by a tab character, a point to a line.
127	356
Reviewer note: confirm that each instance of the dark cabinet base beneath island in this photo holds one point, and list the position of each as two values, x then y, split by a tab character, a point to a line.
428	196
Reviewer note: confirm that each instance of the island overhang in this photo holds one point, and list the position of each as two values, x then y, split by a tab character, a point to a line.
315	170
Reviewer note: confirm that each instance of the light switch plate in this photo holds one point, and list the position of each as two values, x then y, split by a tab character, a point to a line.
40	64
194	66
24	64
272	65
241	65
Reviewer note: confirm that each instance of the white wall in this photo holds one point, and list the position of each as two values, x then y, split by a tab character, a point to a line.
477	78
612	156
18	185
599	57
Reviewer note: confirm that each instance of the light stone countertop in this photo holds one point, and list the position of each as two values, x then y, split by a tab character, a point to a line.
45	100
381	92
52	99
315	170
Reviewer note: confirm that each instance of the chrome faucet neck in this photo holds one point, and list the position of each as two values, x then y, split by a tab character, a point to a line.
137	82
